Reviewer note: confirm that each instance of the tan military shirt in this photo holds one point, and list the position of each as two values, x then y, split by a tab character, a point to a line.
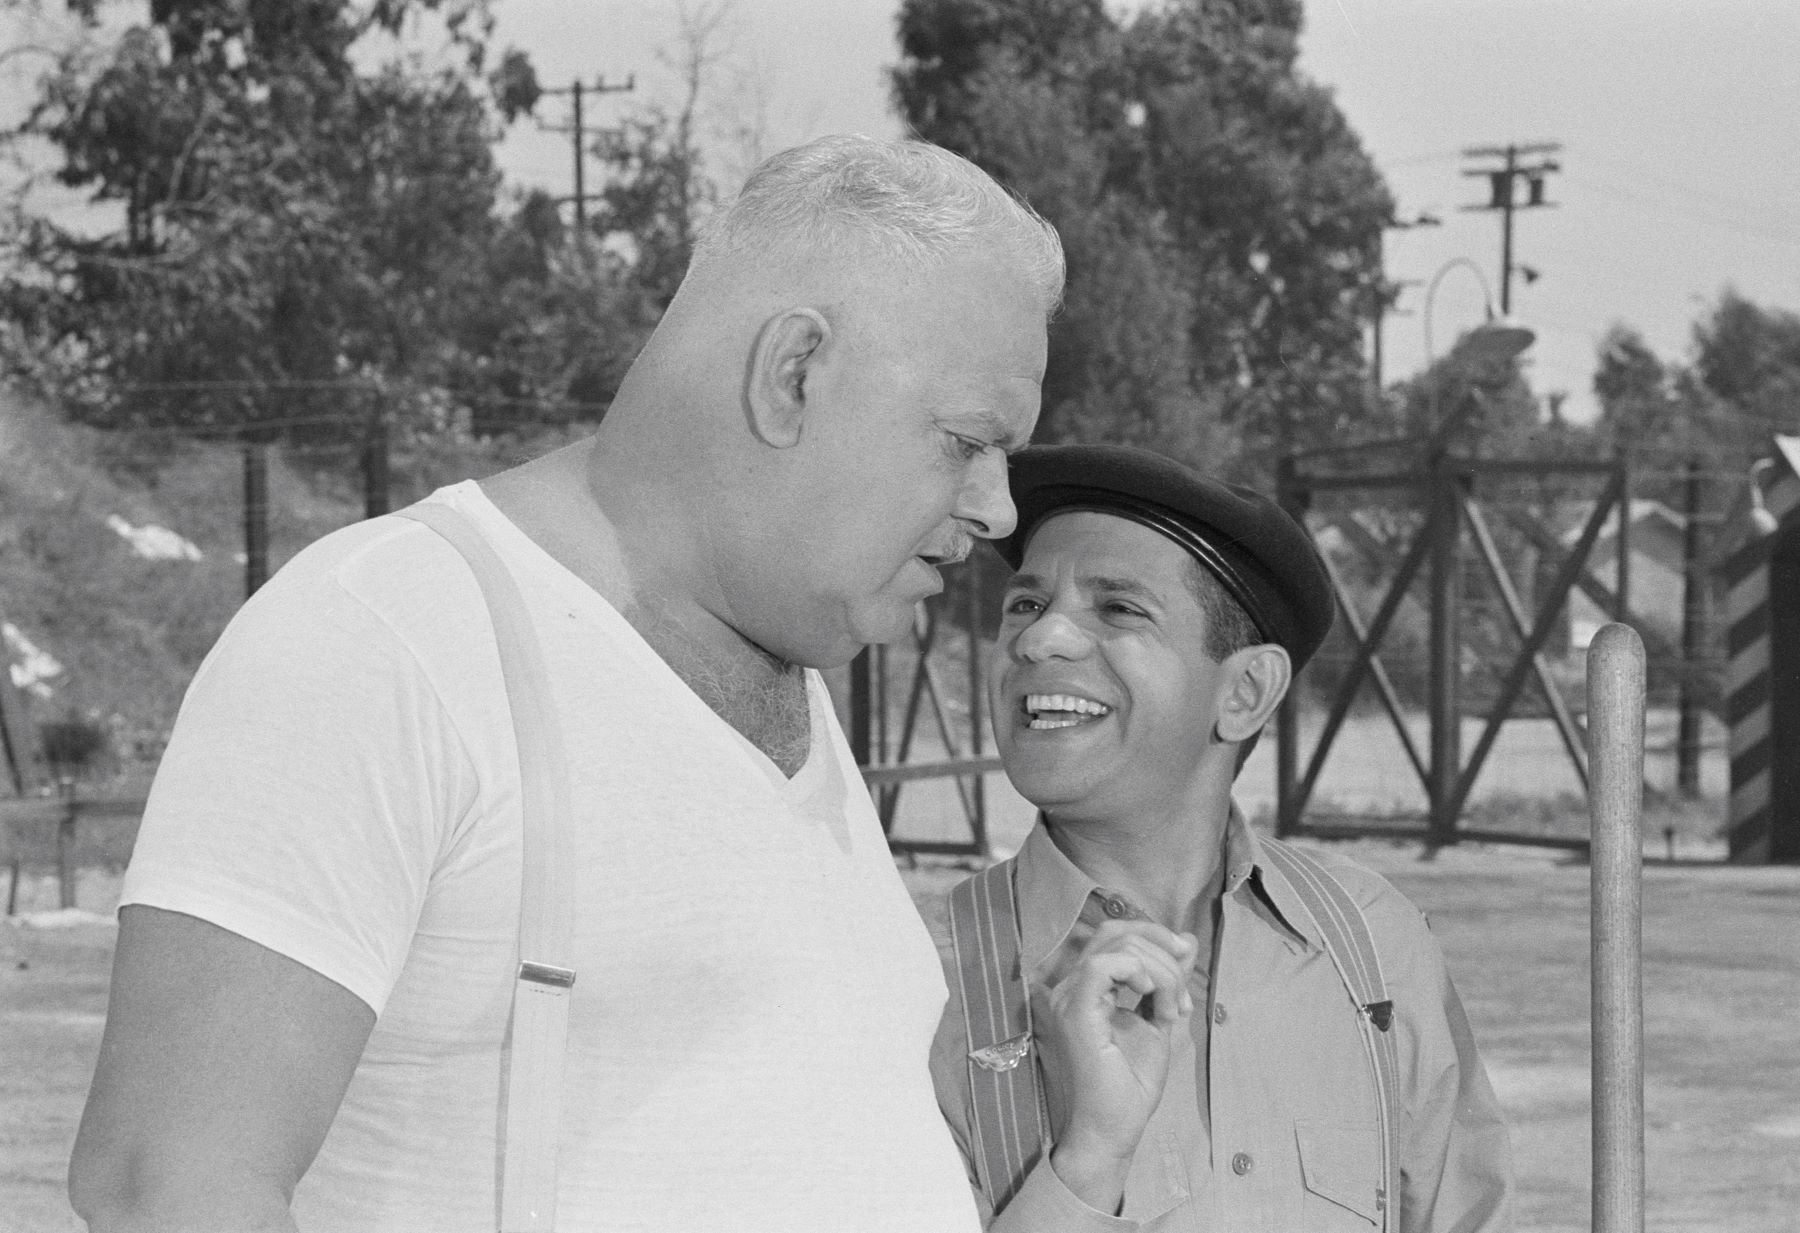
1268	1119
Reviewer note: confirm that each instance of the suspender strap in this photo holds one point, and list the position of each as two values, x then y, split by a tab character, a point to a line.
1352	948
1010	1125
533	1063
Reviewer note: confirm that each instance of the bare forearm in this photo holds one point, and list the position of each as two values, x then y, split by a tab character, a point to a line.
118	1197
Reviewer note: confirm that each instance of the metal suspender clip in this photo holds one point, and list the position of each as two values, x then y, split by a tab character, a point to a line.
546	974
1381	1014
1005	1055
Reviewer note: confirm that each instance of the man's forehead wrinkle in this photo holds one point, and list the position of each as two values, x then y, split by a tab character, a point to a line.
1114	585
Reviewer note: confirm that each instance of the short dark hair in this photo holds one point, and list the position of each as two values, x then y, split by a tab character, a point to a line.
1229	628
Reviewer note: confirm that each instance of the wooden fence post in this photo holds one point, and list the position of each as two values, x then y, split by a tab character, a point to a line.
1615	795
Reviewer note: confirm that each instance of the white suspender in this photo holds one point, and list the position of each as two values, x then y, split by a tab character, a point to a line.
531	1078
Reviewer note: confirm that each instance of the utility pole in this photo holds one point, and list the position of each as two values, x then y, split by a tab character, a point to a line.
1530	162
577	128
1384	290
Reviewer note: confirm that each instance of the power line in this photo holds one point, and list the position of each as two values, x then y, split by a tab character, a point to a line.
1637	171
1650	203
1418	160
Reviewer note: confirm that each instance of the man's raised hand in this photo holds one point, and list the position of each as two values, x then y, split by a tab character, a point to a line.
1107	1029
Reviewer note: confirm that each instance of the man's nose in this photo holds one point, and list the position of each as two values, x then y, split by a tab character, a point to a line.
985	503
1052	636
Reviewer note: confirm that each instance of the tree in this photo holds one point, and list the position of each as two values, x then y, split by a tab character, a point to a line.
659	190
1749	357
551	337
1221	218
291	223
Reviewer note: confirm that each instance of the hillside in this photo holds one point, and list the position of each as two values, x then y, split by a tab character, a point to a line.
98	540
80	508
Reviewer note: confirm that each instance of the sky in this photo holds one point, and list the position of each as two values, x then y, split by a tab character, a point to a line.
1679	122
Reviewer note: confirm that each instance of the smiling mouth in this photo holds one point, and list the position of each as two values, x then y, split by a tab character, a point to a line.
1045	712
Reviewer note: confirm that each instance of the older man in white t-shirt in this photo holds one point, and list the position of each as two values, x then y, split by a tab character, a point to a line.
311	993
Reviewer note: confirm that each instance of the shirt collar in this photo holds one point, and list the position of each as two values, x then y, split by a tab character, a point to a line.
1053	892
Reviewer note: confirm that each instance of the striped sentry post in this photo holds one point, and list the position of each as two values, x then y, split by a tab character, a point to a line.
1748	713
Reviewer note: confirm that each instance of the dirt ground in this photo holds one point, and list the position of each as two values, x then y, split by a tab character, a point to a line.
1722	994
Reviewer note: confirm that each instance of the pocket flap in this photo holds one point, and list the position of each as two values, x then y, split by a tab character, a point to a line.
1342	1164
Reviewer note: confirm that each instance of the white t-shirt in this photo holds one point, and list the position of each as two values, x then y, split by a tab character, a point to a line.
756	996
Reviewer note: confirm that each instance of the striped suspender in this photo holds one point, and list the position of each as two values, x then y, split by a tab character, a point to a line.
532	1072
1346	932
1004	1084
1010	1126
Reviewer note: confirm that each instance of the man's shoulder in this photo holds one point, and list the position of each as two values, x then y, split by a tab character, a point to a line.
390	571
377	557
1388	911
380	598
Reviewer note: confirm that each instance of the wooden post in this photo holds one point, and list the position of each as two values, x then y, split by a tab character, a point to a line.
256	516
1615	794
860	706
1693	638
1445	649
65	845
375	462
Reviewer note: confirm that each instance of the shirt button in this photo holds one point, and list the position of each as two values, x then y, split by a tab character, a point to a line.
1116	907
1242	1164
1218	1012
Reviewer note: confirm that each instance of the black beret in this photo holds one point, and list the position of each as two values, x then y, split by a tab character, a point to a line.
1257	550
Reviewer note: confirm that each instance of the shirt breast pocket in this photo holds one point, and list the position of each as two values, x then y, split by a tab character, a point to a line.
1340	1166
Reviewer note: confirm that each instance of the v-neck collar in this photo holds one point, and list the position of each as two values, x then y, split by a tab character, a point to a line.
473	500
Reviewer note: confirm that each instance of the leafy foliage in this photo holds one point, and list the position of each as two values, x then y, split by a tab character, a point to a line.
1220	216
307	242
1741	384
1749	357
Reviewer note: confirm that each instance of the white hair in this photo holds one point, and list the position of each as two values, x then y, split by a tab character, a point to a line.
907	199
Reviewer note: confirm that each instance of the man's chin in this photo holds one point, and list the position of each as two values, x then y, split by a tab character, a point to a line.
1048	783
885	624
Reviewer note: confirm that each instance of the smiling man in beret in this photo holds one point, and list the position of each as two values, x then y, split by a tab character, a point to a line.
1160	1020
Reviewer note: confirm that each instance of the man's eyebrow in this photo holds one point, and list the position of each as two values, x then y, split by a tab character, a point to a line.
997	430
1118	586
1025	582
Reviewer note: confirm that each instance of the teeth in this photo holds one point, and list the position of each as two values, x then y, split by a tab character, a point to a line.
1039	703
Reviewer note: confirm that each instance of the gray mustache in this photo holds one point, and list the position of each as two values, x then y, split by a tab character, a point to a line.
958	549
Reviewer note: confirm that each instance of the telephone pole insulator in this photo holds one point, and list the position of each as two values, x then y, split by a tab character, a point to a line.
1530	162
1387	290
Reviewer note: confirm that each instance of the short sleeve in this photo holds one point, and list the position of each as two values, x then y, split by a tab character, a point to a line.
311	783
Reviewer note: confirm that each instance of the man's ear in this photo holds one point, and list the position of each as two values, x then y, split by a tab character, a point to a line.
1257	680
785	349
